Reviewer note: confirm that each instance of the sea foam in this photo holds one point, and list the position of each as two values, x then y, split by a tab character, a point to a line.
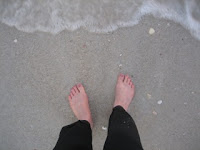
99	16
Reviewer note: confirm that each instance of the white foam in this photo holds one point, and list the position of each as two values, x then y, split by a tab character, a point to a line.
96	16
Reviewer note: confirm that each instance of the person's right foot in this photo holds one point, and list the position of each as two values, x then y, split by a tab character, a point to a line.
124	91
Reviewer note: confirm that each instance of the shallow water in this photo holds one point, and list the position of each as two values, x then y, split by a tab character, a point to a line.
96	16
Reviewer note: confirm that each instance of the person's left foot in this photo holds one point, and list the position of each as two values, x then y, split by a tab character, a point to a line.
78	101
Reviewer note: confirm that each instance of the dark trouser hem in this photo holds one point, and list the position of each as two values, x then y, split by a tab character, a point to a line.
122	132
77	136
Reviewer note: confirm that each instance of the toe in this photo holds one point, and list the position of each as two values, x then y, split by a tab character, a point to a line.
75	89
72	95
72	92
69	97
132	85
121	77
126	79
80	87
130	82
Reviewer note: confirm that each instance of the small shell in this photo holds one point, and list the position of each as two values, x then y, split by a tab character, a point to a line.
104	128
148	96
159	102
154	112
151	31
15	41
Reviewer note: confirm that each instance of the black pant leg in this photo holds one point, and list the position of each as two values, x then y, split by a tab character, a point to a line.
77	136
122	132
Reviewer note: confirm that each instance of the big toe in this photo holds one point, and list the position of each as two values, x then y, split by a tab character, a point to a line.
120	77
80	87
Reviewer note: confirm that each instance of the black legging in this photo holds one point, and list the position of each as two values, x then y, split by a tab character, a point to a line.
122	134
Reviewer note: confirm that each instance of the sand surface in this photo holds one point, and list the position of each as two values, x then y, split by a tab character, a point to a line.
38	69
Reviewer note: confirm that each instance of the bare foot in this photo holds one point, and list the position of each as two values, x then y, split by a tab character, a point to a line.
124	91
78	101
